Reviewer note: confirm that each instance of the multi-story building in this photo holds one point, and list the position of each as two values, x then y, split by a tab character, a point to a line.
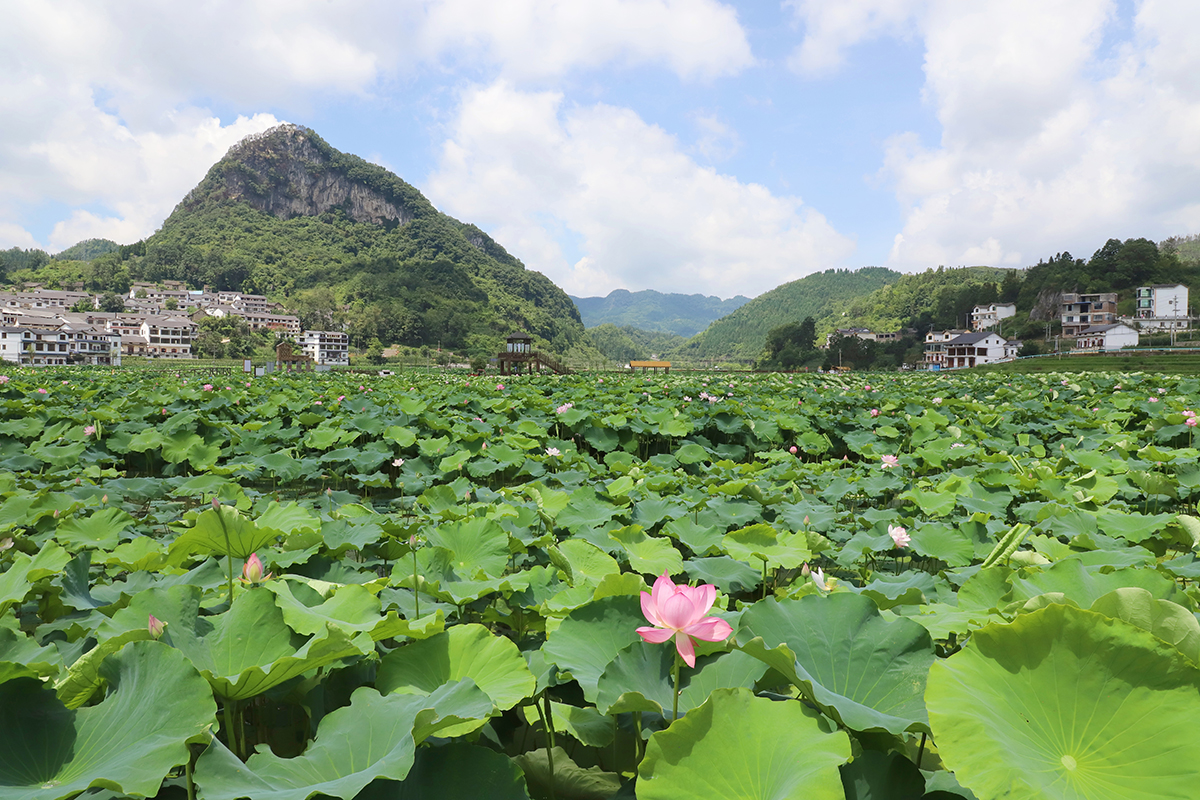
935	347
35	346
168	337
1080	311
989	315
326	347
161	293
1163	306
975	349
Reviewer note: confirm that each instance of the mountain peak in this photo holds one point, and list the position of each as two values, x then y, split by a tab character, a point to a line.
289	171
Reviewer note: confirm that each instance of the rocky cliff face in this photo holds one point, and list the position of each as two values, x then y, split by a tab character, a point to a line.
289	172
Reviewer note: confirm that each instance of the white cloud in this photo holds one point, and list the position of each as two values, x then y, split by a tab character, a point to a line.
105	101
1060	128
646	214
832	27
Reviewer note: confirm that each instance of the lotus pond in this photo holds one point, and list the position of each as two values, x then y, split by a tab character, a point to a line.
430	586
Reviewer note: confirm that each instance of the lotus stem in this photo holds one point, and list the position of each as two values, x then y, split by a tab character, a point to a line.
216	504
187	771
416	587
921	751
675	701
548	727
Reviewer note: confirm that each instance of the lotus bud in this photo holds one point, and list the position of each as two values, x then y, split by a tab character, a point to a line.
156	627
5	544
216	504
805	571
252	571
104	500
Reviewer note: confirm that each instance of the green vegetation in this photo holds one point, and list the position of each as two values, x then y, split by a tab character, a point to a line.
679	314
742	334
624	344
87	250
914	587
1186	248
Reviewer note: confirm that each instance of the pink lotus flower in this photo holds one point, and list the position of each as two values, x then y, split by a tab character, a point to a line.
41	391
678	612
899	535
874	412
1190	422
252	571
1153	399
793	450
890	461
500	387
3	379
88	430
208	387
937	401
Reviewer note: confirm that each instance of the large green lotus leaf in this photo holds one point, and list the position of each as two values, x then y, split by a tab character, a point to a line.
84	677
648	555
464	652
477	547
223	532
23	571
761	542
456	771
582	561
861	669
571	781
1084	586
127	743
639	679
22	656
353	608
944	542
1067	703
1169	621
288	518
99	530
244	651
591	636
740	747
373	737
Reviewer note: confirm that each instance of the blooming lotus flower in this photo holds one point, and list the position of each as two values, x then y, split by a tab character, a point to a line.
41	391
553	451
252	571
399	462
1190	422
208	387
818	577
156	627
874	412
890	461
937	401
677	612
499	387
3	379
88	430
793	450
899	535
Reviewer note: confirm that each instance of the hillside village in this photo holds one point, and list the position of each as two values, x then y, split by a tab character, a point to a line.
1090	321
41	327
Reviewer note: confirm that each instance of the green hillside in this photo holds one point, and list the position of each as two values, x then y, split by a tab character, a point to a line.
741	335
87	250
627	343
648	310
343	241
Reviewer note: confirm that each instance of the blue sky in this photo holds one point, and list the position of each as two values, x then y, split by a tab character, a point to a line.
679	145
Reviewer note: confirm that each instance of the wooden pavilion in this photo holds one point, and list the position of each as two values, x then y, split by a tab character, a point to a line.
519	356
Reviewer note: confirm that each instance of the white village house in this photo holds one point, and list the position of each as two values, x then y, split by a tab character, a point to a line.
975	349
1107	337
1163	306
989	315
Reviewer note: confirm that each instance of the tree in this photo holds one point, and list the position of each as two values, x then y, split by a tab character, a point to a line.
788	346
112	303
171	304
83	306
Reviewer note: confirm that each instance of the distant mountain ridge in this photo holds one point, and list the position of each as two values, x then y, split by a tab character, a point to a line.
681	314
